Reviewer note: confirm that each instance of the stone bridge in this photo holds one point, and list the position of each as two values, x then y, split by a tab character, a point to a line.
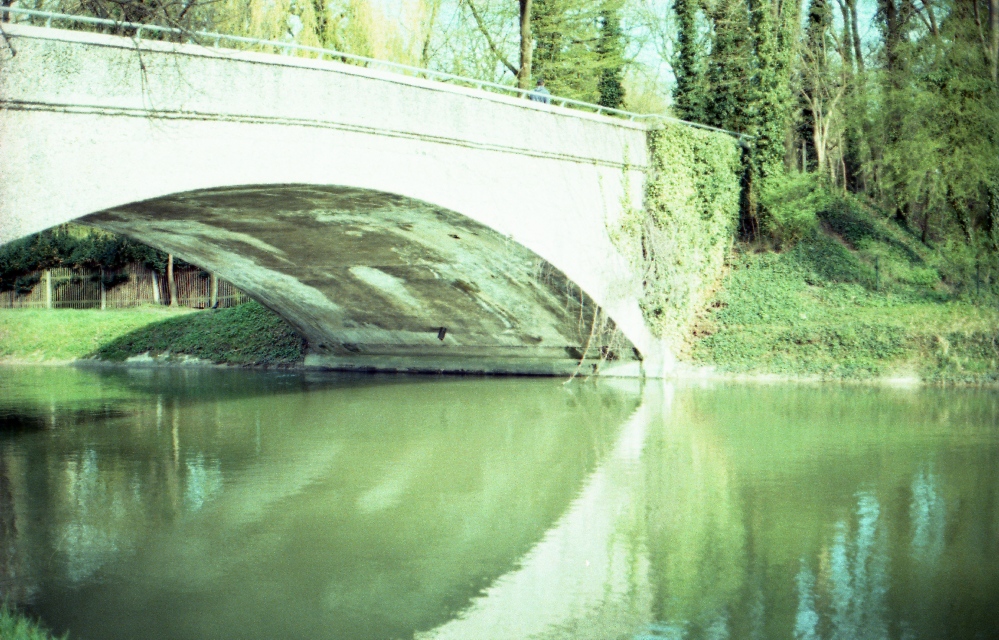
397	223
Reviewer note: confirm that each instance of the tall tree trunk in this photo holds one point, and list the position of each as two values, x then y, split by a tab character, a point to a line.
773	26
818	140
857	52
846	48
526	45
492	45
891	26
925	235
425	52
960	209
994	34
860	86
688	94
893	32
992	213
852	165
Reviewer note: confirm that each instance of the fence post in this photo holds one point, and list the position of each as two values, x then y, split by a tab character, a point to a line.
48	288
171	283
104	295
215	291
156	287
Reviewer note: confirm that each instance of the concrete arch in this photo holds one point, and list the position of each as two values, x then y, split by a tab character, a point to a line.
93	123
379	281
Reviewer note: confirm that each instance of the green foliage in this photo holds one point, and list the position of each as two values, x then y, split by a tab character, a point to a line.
792	203
610	53
579	49
248	334
857	298
939	116
61	247
951	270
691	208
733	64
775	34
14	626
729	101
689	63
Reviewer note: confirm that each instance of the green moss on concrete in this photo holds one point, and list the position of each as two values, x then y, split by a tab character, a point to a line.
857	298
248	334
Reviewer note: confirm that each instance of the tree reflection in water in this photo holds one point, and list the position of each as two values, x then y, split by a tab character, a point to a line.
13	584
285	506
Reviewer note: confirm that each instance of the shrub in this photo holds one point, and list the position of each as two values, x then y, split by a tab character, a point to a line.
14	626
79	248
792	203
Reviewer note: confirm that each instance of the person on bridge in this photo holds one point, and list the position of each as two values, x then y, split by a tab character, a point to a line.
540	93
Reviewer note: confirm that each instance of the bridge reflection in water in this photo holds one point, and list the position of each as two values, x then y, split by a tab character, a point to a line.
221	504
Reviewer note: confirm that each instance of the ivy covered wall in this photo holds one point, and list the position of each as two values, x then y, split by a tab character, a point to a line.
682	236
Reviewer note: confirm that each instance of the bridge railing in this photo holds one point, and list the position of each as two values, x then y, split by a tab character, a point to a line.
137	30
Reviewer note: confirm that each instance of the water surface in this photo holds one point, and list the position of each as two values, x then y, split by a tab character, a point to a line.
207	504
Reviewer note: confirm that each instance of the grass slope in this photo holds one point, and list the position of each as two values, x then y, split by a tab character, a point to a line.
39	335
858	298
248	334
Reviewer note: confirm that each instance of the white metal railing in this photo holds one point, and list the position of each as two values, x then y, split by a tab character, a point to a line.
201	37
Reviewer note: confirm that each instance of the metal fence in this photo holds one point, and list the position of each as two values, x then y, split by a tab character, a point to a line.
134	285
138	30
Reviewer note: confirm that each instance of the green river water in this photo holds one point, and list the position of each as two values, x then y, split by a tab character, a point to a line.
201	503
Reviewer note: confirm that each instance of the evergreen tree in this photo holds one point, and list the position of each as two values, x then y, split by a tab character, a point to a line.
730	100
551	44
746	82
689	64
579	49
610	56
775	27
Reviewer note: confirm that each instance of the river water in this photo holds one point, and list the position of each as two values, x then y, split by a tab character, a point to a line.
236	504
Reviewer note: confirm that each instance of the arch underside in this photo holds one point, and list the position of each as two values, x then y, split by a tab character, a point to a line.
379	281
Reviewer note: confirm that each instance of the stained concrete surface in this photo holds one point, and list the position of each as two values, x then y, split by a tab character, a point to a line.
379	281
96	123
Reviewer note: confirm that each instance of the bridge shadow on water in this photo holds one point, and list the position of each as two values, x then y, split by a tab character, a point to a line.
287	504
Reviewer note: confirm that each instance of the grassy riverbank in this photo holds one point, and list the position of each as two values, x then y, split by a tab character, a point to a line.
245	335
857	298
53	335
14	626
248	334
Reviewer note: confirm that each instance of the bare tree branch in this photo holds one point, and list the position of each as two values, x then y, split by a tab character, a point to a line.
492	45
425	52
929	20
